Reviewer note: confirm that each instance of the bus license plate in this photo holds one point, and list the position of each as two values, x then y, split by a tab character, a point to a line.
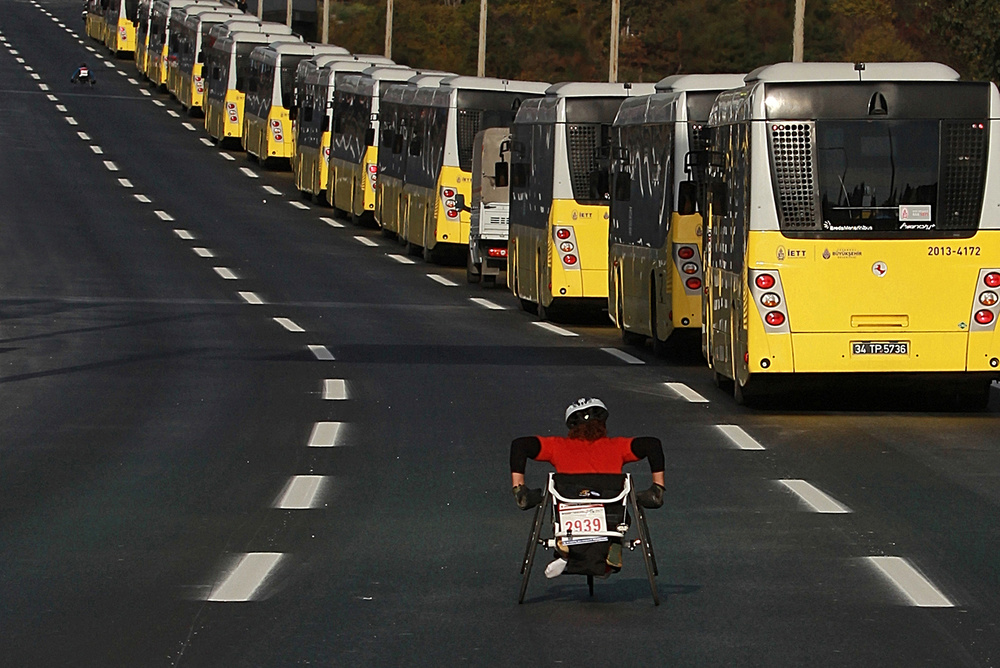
880	347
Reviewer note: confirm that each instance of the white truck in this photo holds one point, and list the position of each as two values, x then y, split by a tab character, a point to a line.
490	210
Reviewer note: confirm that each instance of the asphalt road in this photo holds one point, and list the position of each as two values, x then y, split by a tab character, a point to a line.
235	431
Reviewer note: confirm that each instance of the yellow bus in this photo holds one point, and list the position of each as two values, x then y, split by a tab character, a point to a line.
94	23
559	194
159	36
461	107
657	159
182	40
397	119
354	139
853	228
315	86
192	38
120	23
144	15
228	65
267	126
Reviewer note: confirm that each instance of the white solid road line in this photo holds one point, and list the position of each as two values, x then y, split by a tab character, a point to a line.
246	578
334	389
203	252
331	222
548	326
250	297
911	583
819	501
623	356
301	493
739	438
321	353
487	303
402	259
438	278
288	324
365	240
163	215
686	392
226	273
324	435
184	234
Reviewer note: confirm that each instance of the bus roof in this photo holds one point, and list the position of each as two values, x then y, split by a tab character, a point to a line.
193	20
424	80
700	82
278	49
383	73
588	89
488	83
263	38
815	72
659	108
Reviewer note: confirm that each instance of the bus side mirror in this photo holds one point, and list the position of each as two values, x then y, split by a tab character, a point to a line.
460	203
293	113
370	137
501	174
687	198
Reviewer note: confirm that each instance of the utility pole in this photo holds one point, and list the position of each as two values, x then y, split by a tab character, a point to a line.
388	29
260	9
326	21
616	10
288	13
798	31
481	67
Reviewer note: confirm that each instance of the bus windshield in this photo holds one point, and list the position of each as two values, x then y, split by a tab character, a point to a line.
877	175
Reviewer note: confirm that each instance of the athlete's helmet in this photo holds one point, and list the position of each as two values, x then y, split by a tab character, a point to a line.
584	409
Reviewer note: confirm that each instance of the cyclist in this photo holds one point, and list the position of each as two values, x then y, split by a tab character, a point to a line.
586	449
83	75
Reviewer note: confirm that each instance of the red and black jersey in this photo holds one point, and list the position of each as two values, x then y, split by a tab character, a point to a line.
573	455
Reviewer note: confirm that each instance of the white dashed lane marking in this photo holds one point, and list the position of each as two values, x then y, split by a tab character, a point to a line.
163	215
437	278
365	240
290	325
324	435
301	492
623	356
172	113
184	234
204	252
817	500
60	107
686	392
142	198
159	103
272	190
110	166
486	303
227	156
334	389
738	437
402	259
911	583
321	353
299	205
225	273
206	141
549	327
188	126
250	297
83	135
248	172
125	183
71	120
246	578
97	149
331	222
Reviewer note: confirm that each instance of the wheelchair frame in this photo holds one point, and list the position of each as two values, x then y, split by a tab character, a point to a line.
627	497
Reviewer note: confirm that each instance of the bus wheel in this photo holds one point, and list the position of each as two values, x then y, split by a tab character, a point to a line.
628	338
659	347
973	396
721	382
749	393
472	274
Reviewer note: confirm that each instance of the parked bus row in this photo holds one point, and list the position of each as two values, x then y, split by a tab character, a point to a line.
805	218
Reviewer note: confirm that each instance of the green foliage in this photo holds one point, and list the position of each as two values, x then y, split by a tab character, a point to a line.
567	40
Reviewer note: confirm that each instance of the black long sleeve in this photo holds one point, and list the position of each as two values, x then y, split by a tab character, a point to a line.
649	447
521	449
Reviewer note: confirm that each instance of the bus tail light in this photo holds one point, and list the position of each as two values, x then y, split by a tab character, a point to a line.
448	203
279	136
687	259
986	307
567	247
372	171
765	286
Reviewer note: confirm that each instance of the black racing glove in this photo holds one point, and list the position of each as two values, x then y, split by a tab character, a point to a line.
650	498
527	498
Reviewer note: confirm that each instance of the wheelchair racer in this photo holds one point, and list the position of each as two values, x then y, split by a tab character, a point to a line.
586	449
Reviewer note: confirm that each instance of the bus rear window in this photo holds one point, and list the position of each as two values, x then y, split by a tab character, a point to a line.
878	177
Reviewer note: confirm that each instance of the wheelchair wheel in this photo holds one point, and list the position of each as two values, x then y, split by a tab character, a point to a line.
648	543
529	550
647	549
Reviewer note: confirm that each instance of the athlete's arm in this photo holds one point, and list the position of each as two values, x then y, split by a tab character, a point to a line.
650	448
520	450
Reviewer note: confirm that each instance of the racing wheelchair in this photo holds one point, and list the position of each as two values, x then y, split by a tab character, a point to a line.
586	512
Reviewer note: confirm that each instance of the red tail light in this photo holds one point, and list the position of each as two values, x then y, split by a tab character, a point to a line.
984	317
562	233
570	259
453	213
373	169
992	279
685	252
693	283
448	193
777	318
765	281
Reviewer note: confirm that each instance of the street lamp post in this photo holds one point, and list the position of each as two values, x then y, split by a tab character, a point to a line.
481	66
388	29
616	9
326	22
798	31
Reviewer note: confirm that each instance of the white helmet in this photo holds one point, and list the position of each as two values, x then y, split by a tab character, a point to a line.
585	408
